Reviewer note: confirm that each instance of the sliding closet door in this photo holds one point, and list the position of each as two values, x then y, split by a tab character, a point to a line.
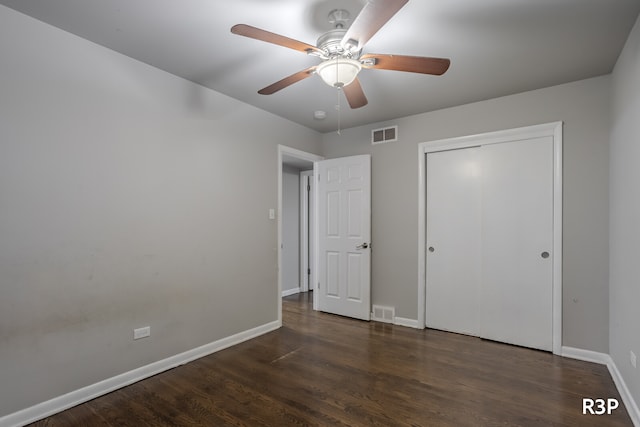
517	240
489	268
453	240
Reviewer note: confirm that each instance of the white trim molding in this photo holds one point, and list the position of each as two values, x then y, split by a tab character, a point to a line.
287	292
621	385
553	130
76	397
409	323
307	218
627	398
586	355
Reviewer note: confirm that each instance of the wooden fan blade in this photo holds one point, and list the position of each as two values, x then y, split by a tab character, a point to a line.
287	81
266	36
355	94
371	18
412	64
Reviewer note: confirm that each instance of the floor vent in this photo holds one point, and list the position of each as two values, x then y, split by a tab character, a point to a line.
383	314
381	136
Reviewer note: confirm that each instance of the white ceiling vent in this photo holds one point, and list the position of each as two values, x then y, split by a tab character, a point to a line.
384	135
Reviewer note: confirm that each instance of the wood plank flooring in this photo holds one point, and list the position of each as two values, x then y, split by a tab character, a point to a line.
325	370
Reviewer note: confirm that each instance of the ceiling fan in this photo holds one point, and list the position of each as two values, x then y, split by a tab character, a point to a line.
341	51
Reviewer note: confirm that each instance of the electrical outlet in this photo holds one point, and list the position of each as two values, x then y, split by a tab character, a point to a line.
632	358
141	332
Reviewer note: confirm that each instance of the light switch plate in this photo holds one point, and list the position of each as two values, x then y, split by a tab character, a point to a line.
141	332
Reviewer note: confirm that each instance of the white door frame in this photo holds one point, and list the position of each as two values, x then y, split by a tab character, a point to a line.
306	229
553	130
285	152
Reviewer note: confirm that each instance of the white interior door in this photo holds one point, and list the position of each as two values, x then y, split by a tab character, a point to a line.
517	243
453	240
344	236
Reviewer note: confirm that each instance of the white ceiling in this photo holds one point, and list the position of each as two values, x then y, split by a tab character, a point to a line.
496	47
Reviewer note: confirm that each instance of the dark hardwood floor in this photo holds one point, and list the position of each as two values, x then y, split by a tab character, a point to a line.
326	370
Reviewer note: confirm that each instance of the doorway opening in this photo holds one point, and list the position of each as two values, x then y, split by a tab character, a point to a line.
295	223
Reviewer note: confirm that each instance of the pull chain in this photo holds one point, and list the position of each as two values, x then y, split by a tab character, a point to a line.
339	110
338	93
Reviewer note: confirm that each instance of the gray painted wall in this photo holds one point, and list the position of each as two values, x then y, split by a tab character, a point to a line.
290	228
624	279
129	197
584	108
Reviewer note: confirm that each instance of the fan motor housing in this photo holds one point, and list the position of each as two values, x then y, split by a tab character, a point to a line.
331	43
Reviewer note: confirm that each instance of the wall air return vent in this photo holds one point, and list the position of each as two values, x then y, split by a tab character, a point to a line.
384	135
384	314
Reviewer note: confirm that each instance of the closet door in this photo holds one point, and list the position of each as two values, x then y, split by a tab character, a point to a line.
517	239
453	240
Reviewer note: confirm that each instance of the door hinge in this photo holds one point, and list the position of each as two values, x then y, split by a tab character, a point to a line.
308	187
309	271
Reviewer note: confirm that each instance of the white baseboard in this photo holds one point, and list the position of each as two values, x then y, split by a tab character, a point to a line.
629	402
586	355
605	359
288	292
401	321
66	401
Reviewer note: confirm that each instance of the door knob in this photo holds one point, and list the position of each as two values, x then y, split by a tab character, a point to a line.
362	246
431	249
545	254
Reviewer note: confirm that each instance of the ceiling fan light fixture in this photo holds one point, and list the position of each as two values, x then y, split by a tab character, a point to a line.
339	72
